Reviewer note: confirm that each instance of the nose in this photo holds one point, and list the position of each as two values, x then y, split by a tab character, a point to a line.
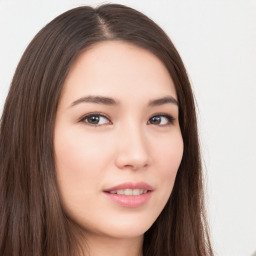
132	149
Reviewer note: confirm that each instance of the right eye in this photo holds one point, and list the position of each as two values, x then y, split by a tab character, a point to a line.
95	119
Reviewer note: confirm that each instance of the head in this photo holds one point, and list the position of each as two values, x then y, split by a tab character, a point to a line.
31	133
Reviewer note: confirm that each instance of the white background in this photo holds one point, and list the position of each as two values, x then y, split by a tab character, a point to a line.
217	41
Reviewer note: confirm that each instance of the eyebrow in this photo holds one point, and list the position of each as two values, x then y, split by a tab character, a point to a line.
164	100
95	99
111	101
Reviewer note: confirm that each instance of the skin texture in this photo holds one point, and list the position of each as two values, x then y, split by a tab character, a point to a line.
126	145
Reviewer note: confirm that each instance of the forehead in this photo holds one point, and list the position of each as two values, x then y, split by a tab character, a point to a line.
118	69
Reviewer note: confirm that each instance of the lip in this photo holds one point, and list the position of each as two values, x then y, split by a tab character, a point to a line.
131	201
130	185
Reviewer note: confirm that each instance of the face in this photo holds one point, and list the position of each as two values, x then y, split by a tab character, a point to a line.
117	140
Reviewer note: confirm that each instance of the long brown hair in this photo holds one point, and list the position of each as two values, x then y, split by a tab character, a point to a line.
32	219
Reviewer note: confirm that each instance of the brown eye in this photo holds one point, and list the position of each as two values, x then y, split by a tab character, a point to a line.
155	120
161	120
95	119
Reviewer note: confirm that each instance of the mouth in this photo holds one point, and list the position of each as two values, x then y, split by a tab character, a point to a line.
130	188
130	194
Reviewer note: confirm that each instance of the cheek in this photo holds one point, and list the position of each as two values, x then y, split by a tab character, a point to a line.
77	161
169	156
169	153
77	151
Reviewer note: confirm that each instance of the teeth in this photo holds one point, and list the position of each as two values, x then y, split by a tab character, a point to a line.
137	192
120	192
129	192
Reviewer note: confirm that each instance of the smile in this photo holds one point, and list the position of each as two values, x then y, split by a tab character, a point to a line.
129	192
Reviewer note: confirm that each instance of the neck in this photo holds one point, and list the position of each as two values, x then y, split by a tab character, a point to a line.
107	246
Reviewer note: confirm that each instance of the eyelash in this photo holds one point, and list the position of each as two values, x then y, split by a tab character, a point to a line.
169	118
95	114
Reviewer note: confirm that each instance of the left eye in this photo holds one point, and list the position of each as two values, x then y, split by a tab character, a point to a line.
161	120
95	119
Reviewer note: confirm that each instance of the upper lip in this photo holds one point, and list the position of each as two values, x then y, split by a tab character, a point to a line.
130	185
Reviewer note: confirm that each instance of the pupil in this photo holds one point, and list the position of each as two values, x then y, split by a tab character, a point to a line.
156	119
94	119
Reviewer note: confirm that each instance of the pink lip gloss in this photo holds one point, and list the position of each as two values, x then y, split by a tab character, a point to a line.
129	201
143	194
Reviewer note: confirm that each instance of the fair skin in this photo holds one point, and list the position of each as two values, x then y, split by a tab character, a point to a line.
131	138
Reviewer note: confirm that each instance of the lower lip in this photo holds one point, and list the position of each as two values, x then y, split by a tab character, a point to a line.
129	201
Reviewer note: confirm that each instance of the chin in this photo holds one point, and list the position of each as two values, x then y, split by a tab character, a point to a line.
118	229
127	228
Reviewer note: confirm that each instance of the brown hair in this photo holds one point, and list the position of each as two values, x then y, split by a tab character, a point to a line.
32	219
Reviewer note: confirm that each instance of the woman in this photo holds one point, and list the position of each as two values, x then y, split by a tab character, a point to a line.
98	143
